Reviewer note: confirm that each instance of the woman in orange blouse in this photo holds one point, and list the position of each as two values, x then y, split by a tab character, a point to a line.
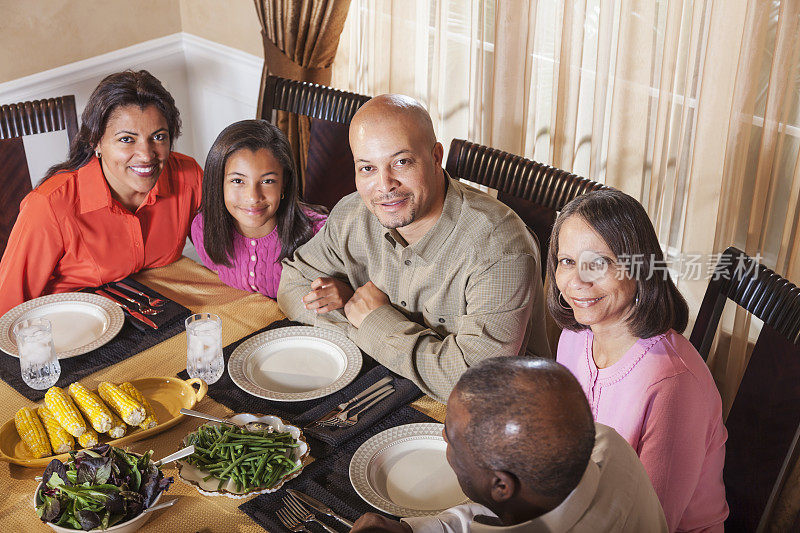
123	201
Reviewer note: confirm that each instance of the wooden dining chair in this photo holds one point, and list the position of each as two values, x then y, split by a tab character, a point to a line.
330	174
764	421
535	191
17	121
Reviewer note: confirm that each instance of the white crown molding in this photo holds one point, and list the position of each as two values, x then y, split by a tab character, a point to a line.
183	44
73	73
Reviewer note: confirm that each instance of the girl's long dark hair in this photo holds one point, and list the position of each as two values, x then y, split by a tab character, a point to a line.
141	89
294	225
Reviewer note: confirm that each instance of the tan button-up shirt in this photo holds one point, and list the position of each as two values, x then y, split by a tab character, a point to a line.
614	495
469	289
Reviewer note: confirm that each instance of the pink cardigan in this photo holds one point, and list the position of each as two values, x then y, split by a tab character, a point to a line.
662	399
255	266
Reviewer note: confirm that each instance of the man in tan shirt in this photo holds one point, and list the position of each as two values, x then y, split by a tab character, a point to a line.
426	275
522	442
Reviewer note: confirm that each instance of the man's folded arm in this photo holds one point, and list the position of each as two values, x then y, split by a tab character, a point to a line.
499	300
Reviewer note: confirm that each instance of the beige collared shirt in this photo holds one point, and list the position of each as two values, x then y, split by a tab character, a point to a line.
469	289
614	494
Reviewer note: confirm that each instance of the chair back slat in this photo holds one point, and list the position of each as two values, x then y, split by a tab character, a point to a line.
764	420
535	191
17	121
39	116
330	173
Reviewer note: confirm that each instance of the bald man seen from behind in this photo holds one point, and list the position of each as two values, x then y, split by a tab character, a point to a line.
522	442
426	275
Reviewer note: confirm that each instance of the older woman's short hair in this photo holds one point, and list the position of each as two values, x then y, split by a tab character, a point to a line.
624	225
138	88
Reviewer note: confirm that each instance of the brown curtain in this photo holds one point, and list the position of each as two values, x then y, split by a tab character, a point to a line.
300	42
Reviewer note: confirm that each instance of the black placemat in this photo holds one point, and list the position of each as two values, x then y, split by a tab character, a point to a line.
328	479
129	341
405	392
228	394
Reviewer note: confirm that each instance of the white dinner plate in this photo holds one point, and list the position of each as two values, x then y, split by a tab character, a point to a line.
294	363
404	471
81	322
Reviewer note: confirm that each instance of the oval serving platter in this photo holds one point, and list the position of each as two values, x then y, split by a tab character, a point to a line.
167	395
191	475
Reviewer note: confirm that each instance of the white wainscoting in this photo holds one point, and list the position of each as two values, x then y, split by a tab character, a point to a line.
213	86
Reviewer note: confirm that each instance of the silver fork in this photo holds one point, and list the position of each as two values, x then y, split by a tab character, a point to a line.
299	511
353	418
331	420
288	520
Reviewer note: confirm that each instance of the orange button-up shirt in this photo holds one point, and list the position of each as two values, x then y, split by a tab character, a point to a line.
71	233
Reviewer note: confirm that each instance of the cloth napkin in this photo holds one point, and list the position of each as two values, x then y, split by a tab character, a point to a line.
131	340
405	392
328	479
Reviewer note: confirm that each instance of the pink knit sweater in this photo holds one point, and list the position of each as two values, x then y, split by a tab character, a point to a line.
255	266
662	399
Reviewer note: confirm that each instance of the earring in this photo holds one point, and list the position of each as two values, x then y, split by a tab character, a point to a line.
563	305
97	154
281	196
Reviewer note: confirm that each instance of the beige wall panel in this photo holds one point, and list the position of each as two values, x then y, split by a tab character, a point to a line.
37	35
233	23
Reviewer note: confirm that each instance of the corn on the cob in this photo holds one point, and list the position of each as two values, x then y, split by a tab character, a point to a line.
88	439
150	419
32	433
126	407
90	405
60	404
117	427
60	439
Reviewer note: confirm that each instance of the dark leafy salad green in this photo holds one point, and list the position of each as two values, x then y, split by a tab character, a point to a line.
98	488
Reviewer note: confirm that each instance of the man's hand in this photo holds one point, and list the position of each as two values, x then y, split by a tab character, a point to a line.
327	294
365	300
373	523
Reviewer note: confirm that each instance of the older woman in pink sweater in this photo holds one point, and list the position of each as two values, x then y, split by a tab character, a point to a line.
622	317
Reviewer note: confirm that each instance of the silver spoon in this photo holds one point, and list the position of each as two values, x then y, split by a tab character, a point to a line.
250	426
180	454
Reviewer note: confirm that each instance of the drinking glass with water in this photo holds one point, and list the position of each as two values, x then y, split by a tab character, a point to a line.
37	354
204	347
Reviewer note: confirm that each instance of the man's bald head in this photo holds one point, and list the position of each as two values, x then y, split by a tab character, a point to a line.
398	164
397	108
529	417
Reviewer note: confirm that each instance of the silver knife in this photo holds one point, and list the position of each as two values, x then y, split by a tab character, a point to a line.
342	406
319	506
135	314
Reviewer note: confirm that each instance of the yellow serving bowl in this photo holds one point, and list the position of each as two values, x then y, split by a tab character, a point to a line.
167	395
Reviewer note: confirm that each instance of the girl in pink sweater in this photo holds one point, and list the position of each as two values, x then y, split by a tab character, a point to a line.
251	217
622	316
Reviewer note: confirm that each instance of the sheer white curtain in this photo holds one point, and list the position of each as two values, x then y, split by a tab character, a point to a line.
691	106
